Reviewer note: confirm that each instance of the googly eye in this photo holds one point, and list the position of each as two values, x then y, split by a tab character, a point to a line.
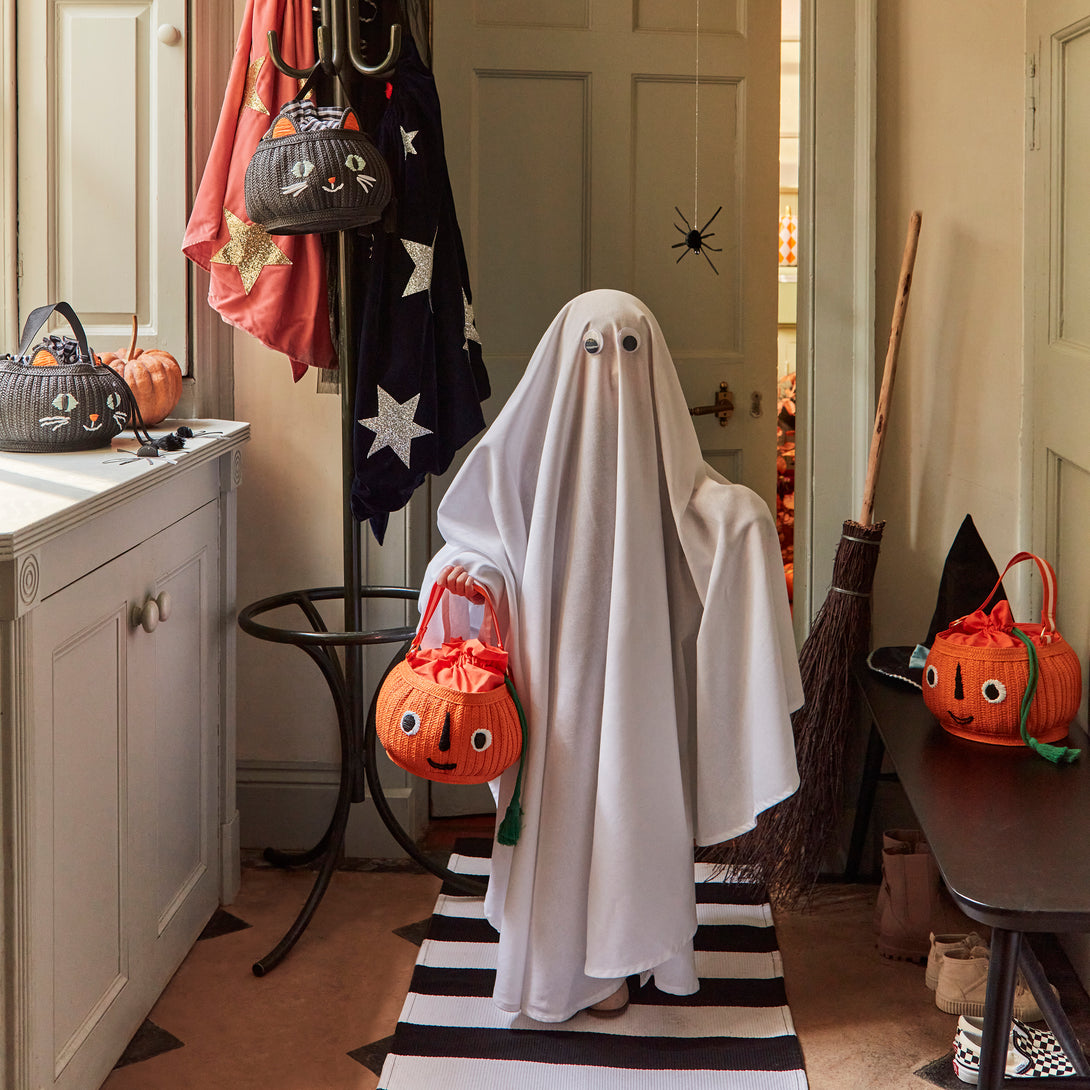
65	402
931	676
629	339
481	740
592	341
356	163
410	723
113	400
993	691
303	168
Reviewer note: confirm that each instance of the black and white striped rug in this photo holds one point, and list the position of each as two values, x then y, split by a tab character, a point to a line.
735	1033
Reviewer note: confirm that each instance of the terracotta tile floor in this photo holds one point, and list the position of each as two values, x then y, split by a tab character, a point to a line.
319	1020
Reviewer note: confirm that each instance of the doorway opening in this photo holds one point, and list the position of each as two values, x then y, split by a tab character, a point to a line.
790	48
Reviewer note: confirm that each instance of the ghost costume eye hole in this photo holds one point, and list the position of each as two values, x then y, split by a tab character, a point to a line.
931	676
410	723
994	691
302	168
64	402
592	341
629	339
355	163
481	740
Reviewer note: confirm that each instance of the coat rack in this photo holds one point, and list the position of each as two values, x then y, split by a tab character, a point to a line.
340	51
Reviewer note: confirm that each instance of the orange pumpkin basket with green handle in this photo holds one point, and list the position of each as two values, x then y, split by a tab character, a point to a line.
991	680
451	713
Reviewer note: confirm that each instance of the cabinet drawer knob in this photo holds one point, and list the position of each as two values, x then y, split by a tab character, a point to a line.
146	616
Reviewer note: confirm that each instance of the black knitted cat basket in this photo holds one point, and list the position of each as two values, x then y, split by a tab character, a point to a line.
54	397
314	170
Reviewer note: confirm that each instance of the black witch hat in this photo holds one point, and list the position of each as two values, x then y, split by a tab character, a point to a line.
967	578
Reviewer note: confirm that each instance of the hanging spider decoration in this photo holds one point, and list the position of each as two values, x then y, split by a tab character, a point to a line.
695	239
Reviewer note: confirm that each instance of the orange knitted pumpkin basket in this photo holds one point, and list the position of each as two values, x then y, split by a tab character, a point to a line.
451	713
991	680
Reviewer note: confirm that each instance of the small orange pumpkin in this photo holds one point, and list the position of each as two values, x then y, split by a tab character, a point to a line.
153	376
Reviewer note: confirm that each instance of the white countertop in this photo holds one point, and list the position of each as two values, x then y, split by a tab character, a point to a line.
41	493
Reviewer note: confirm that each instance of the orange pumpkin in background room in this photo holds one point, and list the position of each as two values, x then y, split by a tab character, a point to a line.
153	375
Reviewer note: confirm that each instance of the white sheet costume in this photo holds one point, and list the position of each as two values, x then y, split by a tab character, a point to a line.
645	609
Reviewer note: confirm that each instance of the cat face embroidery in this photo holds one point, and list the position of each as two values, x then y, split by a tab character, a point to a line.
66	405
328	174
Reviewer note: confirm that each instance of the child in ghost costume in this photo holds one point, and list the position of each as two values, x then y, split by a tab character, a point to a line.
644	607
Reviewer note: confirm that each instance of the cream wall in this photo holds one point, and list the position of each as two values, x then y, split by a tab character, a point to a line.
950	130
289	537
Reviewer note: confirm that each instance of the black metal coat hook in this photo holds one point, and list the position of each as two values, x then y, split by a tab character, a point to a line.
339	21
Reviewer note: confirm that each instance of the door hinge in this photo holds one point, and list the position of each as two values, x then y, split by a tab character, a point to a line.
1031	102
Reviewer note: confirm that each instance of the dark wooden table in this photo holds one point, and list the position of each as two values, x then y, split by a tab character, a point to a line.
1008	832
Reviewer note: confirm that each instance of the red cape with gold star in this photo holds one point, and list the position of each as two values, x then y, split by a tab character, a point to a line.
271	286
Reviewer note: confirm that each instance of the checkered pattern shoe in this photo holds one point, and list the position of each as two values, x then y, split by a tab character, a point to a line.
1030	1052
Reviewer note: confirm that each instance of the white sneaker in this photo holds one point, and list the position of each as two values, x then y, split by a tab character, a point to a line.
1030	1052
941	944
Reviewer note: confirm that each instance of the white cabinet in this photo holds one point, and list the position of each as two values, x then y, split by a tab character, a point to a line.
119	824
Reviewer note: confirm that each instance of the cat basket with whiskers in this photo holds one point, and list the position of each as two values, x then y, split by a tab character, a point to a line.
54	397
314	170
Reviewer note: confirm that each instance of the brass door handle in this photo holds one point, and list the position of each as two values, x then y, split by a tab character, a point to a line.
723	407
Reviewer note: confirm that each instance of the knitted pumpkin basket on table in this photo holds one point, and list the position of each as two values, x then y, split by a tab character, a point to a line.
991	680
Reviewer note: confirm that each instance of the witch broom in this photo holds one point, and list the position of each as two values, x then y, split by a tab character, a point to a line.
786	849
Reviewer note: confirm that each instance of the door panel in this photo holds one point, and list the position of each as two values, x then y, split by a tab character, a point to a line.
1057	172
571	133
102	175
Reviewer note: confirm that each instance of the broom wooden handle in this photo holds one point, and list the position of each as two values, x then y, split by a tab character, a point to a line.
881	416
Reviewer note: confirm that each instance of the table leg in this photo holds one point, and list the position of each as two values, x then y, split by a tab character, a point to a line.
872	768
998	1006
1054	1014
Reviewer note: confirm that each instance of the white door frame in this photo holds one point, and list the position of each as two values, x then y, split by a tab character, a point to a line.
835	355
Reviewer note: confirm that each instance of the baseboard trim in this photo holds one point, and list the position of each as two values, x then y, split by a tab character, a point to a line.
288	805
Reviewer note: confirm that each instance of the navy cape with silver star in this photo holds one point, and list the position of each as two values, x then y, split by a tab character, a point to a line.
421	377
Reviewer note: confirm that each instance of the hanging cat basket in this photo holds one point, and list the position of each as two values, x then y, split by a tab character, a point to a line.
314	170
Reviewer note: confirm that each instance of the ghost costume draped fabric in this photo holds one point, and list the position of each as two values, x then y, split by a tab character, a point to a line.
645	610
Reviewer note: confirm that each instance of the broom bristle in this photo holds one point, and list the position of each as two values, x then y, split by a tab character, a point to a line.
787	848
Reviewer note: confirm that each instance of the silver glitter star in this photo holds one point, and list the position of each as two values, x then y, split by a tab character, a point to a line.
394	427
470	330
422	258
407	140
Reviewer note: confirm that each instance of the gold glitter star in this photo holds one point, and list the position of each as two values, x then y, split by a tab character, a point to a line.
470	330
250	96
422	258
407	140
251	248
394	427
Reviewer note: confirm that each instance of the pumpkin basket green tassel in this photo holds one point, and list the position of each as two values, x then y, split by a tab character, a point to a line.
1061	755
511	827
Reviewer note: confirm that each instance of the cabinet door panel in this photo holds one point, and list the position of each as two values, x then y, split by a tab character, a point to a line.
80	657
183	754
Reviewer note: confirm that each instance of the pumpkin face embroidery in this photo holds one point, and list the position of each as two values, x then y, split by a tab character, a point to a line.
456	738
964	709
